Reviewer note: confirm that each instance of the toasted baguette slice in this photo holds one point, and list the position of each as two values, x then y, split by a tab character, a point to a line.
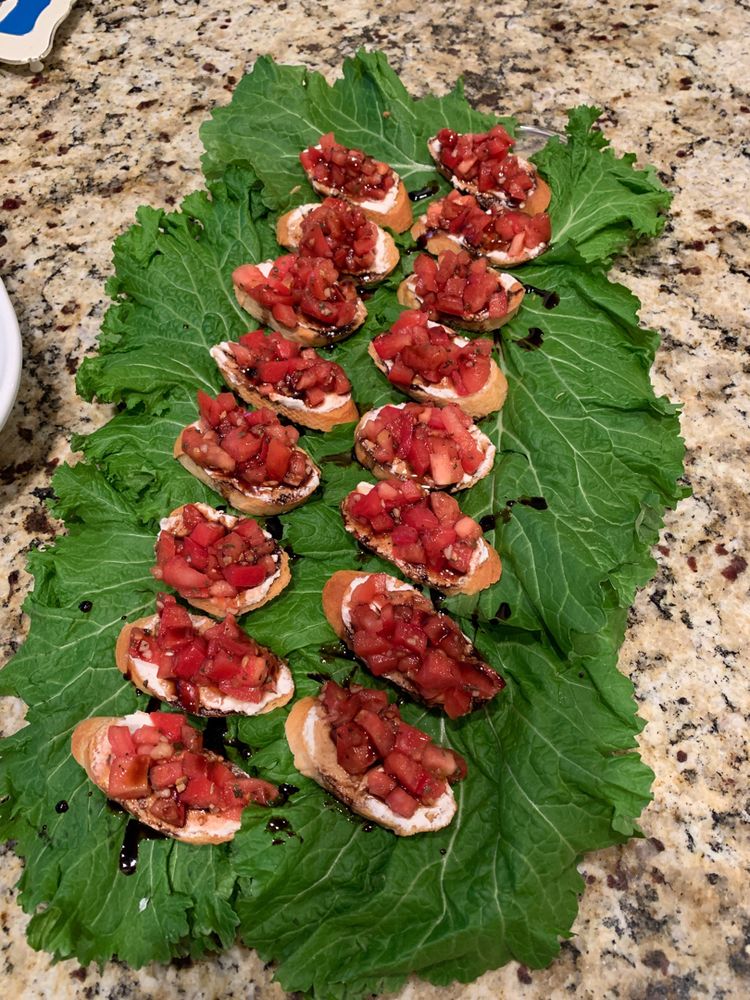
307	331
393	211
211	701
437	240
335	409
90	748
486	567
246	600
407	296
537	201
262	500
309	736
364	453
335	600
478	404
289	234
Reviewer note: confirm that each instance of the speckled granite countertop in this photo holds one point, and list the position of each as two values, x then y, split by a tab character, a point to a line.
112	123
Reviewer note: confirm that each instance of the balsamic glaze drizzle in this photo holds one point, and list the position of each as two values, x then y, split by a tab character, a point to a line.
426	192
533	341
549	297
135	832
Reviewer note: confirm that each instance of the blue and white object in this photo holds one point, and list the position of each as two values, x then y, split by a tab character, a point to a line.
27	28
10	356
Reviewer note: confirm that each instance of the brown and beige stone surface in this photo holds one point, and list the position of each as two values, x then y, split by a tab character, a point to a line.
112	122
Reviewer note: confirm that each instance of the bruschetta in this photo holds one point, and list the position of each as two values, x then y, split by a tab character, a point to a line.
372	186
301	297
354	744
425	534
342	232
399	635
462	290
219	563
504	236
248	457
270	370
438	446
202	666
482	164
155	767
434	364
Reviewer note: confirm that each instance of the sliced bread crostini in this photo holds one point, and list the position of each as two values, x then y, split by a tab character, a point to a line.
434	364
339	230
424	534
462	290
301	297
217	562
202	666
506	237
482	165
437	446
155	767
356	746
295	381
400	636
225	450
370	184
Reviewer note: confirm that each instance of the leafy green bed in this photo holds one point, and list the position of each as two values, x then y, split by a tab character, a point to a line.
344	911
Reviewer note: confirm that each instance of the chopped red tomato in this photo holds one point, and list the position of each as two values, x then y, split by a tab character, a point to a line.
235	442
298	287
342	233
347	171
398	763
436	444
459	287
416	351
484	159
398	632
222	659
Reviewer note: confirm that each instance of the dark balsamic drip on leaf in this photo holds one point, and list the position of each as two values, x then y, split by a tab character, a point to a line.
533	341
321	677
334	651
135	832
503	612
362	554
538	503
215	735
85	606
62	806
426	192
437	598
487	523
475	619
243	749
285	792
153	705
293	556
274	527
280	824
365	292
368	827
342	458
277	840
549	298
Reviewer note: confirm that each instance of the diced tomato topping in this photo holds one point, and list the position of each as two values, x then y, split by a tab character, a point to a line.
417	352
458	286
349	172
232	557
342	233
485	160
248	435
128	777
440	448
121	741
487	230
273	364
301	287
223	659
397	632
392	757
